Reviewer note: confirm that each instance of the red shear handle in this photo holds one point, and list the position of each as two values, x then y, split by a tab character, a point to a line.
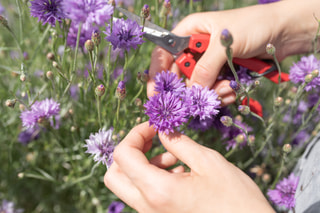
261	67
198	43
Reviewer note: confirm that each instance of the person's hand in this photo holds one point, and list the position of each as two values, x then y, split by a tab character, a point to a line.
212	184
252	29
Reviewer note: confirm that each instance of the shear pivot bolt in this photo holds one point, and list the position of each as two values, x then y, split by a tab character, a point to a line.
198	44
187	64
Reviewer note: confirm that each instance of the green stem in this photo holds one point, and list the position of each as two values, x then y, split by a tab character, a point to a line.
279	171
44	35
137	95
99	110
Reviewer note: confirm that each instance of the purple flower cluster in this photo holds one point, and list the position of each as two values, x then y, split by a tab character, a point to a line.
174	103
101	146
47	11
242	72
9	207
283	194
304	67
41	111
125	34
91	14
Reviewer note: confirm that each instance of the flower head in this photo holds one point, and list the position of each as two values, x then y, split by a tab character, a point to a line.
125	34
167	81
40	110
88	12
283	194
47	11
266	1
28	135
9	207
304	67
116	207
204	102
100	145
166	111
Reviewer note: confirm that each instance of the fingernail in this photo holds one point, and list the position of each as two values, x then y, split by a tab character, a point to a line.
224	91
228	100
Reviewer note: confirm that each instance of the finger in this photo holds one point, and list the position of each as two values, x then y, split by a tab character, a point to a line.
185	149
209	65
121	185
132	161
228	99
160	60
222	88
164	160
177	170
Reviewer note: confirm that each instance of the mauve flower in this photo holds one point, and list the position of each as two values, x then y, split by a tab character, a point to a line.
266	1
85	34
301	138
101	146
47	11
9	207
243	75
283	194
88	12
202	125
29	135
116	207
304	67
125	34
2	9
44	109
204	102
166	111
167	81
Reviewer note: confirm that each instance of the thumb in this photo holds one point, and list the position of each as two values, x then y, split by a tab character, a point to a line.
185	149
209	65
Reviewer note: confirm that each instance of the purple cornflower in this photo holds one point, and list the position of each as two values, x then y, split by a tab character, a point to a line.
230	133
9	207
204	102
47	11
88	12
2	9
125	34
283	194
40	110
116	207
100	145
167	81
304	67
28	135
202	125
266	1
166	111
242	72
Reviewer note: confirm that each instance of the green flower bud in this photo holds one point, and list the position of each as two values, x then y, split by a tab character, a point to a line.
287	148
89	45
244	109
50	56
96	37
315	73
226	38
11	103
226	120
49	75
278	101
100	90
240	138
23	77
308	78
270	49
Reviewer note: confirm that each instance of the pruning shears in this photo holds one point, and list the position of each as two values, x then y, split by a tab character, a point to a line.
185	48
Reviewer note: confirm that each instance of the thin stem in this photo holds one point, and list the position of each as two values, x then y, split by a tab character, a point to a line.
279	171
99	110
137	95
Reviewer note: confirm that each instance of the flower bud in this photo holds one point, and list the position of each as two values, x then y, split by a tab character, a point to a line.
315	73
55	65
23	77
121	90
96	37
251	140
49	75
50	56
270	49
234	85
240	138
145	11
244	109
22	107
100	90
257	83
287	148
73	129
138	102
122	133
278	101
138	120
226	38
11	103
145	76
266	178
226	120
4	22
308	78
112	2
89	45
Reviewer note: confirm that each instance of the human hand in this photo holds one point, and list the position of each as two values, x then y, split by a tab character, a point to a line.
212	184
252	29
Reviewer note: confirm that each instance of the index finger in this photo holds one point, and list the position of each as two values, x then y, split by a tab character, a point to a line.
130	157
